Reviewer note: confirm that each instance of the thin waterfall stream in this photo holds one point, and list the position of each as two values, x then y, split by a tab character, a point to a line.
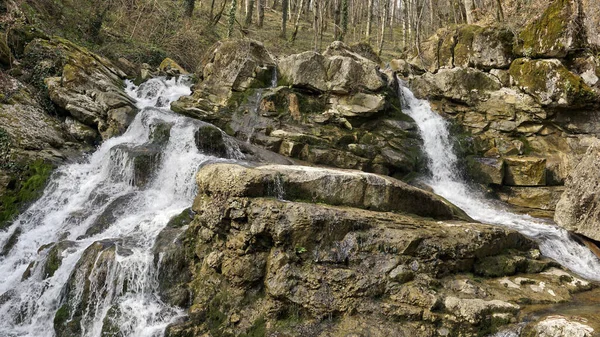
446	181
105	201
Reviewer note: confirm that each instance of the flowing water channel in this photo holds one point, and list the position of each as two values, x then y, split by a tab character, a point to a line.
445	180
106	199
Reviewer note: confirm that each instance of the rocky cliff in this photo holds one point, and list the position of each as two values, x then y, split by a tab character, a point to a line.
526	102
270	252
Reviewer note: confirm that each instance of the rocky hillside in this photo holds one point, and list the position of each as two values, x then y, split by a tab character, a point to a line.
318	232
527	103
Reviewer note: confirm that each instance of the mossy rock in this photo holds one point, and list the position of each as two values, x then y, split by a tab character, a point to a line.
554	34
20	36
464	44
171	68
210	141
183	219
5	53
551	83
26	189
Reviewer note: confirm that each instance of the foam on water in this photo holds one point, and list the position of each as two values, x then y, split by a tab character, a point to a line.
446	181
75	197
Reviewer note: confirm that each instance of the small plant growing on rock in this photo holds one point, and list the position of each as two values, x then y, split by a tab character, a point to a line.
300	250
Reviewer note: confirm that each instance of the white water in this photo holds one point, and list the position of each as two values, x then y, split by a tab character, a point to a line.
76	195
445	180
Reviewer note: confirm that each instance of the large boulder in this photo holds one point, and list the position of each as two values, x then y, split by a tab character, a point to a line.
540	197
333	109
305	70
338	70
466	46
483	47
579	207
565	26
558	326
551	83
235	65
333	187
465	85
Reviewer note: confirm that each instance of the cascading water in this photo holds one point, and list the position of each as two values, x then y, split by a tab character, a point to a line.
445	180
70	210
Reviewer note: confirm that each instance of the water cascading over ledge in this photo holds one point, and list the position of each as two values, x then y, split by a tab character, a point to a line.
83	261
446	181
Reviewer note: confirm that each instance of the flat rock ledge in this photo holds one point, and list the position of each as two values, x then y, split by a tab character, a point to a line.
333	187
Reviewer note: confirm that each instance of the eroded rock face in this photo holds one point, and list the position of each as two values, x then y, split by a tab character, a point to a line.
338	109
235	65
90	88
466	46
80	297
534	94
265	259
579	207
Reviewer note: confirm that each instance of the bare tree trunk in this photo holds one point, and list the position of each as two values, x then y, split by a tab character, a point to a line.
343	20
322	22
218	16
499	11
284	17
392	19
297	22
405	25
469	8
249	12
231	21
369	20
189	7
212	8
386	4
260	12
316	23
336	19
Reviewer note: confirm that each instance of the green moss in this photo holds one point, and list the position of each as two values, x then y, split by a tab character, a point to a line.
258	328
545	36
61	316
53	262
216	316
183	219
464	43
310	104
27	190
534	75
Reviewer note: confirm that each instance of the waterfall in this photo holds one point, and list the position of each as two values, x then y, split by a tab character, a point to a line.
446	181
77	199
274	77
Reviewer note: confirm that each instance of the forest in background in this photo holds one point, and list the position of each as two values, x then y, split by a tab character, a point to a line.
149	30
